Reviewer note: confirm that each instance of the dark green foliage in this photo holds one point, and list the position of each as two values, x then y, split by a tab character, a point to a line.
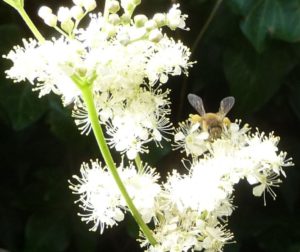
251	50
268	19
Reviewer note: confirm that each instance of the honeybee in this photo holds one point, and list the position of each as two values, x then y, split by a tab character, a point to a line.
213	123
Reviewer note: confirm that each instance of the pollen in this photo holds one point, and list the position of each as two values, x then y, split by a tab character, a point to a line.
194	118
226	121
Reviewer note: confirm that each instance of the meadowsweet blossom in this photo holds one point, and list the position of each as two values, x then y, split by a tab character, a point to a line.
125	59
101	199
192	208
47	66
183	223
238	154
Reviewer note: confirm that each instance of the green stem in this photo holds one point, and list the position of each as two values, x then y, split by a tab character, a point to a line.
31	25
205	26
138	163
87	96
106	11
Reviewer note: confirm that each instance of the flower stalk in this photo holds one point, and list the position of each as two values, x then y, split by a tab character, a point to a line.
138	163
87	96
19	6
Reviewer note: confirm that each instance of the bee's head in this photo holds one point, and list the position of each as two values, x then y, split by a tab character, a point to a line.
215	132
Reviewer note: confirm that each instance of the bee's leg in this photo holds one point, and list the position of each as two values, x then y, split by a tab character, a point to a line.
195	118
226	121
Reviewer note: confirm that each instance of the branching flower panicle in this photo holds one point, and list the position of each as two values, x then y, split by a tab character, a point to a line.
113	71
122	57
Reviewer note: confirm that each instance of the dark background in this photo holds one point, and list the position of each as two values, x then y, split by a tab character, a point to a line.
250	50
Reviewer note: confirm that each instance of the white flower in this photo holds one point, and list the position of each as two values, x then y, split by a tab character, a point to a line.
54	62
169	58
143	188
187	231
191	191
101	199
191	139
175	19
143	119
98	196
237	154
189	210
125	63
216	237
64	14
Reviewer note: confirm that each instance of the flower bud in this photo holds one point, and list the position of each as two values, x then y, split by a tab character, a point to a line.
150	25
160	19
77	12
89	5
67	26
113	6
140	20
44	11
128	5
63	14
125	18
155	35
51	20
114	19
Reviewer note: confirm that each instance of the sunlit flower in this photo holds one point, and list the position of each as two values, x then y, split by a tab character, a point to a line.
143	119
191	139
48	66
187	231
99	196
101	199
124	60
237	154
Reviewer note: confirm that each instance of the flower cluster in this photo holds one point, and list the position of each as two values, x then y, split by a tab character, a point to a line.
193	207
102	200
124	58
189	211
238	152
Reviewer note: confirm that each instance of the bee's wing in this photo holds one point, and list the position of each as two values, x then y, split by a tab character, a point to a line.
196	103
226	105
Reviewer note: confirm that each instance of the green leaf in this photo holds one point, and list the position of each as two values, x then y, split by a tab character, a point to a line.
265	19
254	78
22	106
240	7
46	232
61	122
261	20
